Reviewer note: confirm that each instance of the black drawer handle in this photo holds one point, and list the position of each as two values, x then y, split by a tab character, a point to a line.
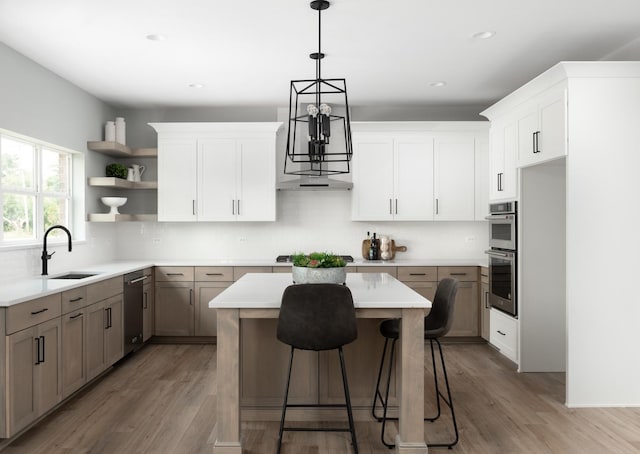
71	317
500	332
214	274
417	274
40	311
175	274
75	299
458	274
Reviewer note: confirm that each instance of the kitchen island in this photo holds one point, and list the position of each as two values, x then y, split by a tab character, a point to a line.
256	297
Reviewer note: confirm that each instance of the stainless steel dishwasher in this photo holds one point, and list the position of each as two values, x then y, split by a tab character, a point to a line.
133	301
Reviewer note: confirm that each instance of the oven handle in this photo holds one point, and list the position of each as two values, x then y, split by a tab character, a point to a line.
499	253
499	217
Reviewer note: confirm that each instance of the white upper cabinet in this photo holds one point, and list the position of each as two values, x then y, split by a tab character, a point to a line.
502	159
417	171
216	171
177	169
392	177
454	177
542	127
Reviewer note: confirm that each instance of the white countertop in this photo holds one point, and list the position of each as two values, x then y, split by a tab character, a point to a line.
482	261
370	291
39	286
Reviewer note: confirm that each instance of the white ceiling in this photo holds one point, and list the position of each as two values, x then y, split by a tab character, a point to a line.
246	52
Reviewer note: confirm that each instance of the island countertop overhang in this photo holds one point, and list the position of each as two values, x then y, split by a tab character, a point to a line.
369	290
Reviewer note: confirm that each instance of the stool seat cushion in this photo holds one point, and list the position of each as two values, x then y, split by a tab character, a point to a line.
317	317
438	322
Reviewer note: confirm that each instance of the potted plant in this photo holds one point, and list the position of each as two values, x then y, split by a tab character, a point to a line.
318	267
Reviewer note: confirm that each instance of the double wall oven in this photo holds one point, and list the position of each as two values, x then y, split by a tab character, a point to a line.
503	243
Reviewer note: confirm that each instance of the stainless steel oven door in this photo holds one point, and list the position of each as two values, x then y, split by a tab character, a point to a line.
502	281
502	231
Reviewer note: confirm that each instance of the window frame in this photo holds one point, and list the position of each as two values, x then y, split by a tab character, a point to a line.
38	191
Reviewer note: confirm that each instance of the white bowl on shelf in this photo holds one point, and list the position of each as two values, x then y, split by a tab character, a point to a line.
114	203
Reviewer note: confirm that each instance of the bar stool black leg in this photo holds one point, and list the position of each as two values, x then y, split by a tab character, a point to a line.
348	402
448	400
386	398
377	393
284	405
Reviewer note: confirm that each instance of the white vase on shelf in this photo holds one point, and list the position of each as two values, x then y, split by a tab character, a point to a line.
120	130
110	131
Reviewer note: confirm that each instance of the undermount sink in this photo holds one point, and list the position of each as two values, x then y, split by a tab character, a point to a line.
75	276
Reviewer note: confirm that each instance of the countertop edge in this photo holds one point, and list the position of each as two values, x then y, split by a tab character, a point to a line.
38	286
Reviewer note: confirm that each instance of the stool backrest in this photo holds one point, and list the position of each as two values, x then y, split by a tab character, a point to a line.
438	322
317	316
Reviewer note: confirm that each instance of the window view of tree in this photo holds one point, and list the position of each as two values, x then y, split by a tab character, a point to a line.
35	188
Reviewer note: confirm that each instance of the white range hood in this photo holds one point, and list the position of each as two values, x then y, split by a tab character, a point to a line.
307	183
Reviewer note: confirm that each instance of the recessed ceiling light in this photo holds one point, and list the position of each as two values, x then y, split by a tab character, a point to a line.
483	35
196	85
440	83
156	37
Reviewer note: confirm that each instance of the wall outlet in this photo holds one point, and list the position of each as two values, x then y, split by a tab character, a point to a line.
469	239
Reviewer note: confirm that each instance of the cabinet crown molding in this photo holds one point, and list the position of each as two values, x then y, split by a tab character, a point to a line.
217	128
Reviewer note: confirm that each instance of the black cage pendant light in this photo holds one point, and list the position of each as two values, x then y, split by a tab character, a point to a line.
319	138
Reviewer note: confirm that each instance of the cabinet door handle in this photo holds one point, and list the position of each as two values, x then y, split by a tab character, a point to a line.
193	207
437	206
536	142
233	207
190	297
110	320
37	340
40	311
501	333
42	349
145	302
396	206
79	314
486	300
500	182
75	300
390	207
238	207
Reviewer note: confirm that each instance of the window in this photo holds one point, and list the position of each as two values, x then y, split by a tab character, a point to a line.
35	189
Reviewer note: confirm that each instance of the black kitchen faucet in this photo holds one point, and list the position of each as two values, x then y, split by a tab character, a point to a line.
45	257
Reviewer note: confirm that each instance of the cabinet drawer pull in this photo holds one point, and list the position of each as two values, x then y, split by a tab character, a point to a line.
175	274
71	317
214	274
145	304
417	274
458	274
500	332
191	297
75	300
40	311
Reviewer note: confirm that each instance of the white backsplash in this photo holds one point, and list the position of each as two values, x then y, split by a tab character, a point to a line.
306	221
100	246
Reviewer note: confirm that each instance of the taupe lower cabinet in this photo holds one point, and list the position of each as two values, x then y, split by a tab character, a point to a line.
174	301
485	308
33	373
105	344
74	351
465	315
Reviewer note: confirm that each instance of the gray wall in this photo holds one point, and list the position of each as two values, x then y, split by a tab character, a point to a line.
39	104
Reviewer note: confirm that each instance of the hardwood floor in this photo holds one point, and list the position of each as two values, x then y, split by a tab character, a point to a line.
163	399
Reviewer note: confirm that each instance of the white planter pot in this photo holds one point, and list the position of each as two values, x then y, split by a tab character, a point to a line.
303	275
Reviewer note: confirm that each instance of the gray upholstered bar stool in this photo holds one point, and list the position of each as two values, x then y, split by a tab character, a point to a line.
317	317
436	324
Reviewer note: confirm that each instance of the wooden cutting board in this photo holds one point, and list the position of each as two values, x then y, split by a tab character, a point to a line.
366	244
